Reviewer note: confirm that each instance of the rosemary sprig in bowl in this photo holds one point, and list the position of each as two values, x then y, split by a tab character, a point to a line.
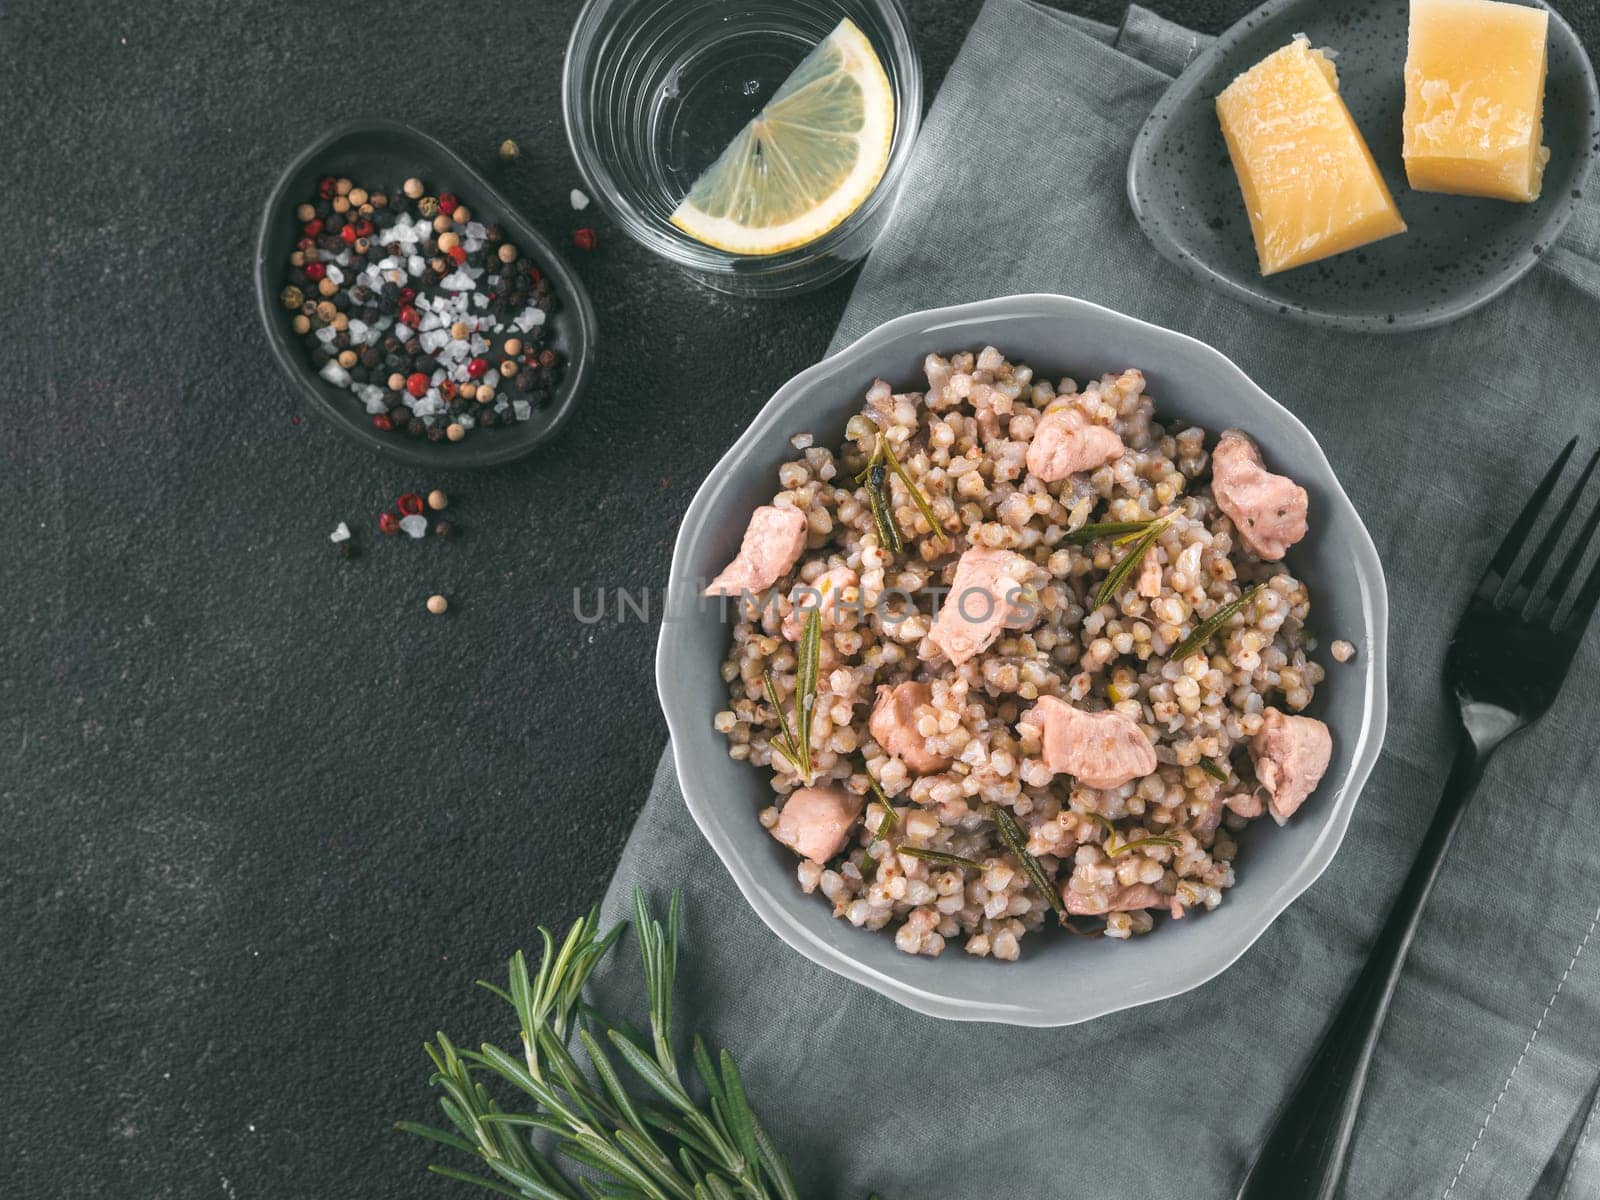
1204	631
875	478
795	744
1124	568
653	1141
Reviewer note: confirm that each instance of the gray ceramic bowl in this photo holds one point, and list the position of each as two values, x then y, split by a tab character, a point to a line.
1459	252
1060	980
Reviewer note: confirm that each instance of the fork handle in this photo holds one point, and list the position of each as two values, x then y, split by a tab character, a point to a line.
1303	1156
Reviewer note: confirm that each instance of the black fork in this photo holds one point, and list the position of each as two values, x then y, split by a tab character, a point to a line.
1505	667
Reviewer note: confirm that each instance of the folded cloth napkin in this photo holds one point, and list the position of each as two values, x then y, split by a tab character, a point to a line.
1438	436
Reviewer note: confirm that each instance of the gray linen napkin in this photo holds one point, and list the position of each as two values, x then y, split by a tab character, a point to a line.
1437	436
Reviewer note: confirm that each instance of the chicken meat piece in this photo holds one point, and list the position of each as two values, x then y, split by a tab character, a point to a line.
1099	749
815	822
772	544
1291	754
1268	510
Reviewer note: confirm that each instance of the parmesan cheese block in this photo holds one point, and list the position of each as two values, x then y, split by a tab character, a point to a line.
1309	182
1475	98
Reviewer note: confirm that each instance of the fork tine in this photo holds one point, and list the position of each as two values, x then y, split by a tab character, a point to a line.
1523	587
1517	536
1583	607
1568	571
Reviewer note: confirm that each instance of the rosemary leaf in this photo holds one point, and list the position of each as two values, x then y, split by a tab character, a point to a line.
1011	835
1204	631
1088	533
917	497
891	819
784	743
940	857
1120	572
805	688
1143	843
1214	770
882	512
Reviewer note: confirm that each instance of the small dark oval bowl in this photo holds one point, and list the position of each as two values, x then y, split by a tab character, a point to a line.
384	153
1459	252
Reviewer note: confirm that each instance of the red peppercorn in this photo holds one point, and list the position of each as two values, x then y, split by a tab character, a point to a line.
447	389
382	421
478	368
547	358
407	295
448	202
417	384
315	271
458	254
535	274
388	522
585	238
410	505
363	228
312	227
347	234
325	186
408	316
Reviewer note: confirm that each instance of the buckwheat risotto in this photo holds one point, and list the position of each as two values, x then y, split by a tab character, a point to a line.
1016	649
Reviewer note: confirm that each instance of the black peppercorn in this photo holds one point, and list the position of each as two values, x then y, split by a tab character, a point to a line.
442	528
436	433
486	418
415	427
346	548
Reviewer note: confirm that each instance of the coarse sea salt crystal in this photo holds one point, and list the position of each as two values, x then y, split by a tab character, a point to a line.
404	332
438	377
326	334
428	322
341	534
492	379
377	405
456	281
426	406
480	300
476	229
479	344
416	265
579	200
416	524
335	374
472	245
465	421
522	408
358	329
335	274
389	263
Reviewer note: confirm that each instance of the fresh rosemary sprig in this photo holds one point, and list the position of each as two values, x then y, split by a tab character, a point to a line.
669	1146
1204	631
1215	770
917	497
1110	529
1011	835
891	819
882	511
1119	573
1114	848
795	744
940	857
873	475
1144	843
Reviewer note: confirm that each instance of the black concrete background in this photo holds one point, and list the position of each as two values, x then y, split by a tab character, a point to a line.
262	818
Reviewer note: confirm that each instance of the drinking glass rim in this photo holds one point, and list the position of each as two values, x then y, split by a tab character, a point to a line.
684	250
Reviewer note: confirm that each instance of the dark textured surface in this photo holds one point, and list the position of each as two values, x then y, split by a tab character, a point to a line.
264	818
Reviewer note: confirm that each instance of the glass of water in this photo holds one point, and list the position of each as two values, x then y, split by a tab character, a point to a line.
654	90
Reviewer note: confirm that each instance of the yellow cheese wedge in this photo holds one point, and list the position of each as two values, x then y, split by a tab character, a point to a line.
1309	182
1475	98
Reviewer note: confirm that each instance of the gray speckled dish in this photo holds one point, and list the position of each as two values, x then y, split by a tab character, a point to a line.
1060	980
1458	253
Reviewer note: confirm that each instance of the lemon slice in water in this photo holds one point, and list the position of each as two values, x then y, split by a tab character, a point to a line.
806	161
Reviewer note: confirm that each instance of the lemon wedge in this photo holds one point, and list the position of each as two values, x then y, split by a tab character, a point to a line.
806	161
